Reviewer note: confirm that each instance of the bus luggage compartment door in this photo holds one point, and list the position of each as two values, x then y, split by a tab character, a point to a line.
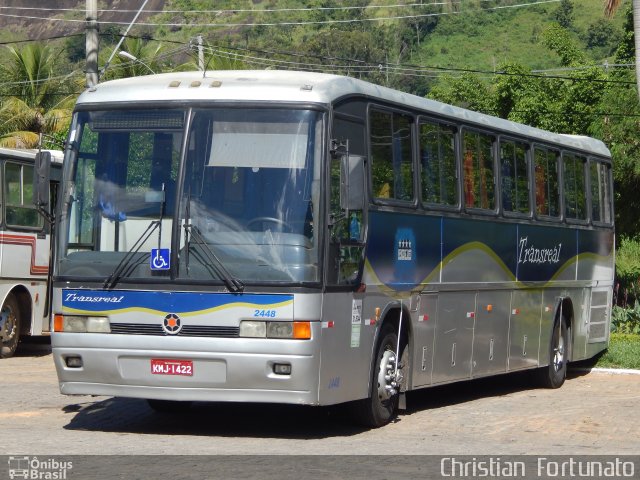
454	336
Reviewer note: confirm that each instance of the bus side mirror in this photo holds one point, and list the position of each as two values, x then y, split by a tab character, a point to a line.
352	182
41	179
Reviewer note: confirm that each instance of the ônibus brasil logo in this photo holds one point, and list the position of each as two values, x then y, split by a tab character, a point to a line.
49	469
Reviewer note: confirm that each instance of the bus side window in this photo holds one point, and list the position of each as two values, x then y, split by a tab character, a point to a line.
478	170
346	248
438	161
574	186
391	155
18	187
600	192
514	173
546	177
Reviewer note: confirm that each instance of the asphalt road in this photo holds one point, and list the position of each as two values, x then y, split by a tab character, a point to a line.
594	413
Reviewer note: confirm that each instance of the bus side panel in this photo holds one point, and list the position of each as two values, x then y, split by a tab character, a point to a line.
477	251
347	343
24	256
491	334
403	252
424	330
596	259
454	336
524	329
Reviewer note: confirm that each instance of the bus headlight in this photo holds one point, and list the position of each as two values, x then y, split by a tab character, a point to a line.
253	329
81	324
260	329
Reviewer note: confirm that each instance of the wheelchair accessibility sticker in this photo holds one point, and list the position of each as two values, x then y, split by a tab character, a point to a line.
160	258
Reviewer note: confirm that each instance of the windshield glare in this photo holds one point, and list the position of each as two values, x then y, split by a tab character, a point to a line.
243	204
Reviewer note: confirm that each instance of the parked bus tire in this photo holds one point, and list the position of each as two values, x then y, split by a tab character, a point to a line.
553	375
169	406
381	407
11	314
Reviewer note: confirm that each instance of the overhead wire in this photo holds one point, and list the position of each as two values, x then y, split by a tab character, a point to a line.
284	23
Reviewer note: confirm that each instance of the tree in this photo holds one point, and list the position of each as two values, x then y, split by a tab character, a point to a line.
35	100
610	7
564	14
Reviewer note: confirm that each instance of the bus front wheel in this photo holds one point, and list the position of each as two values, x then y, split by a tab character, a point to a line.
382	405
553	375
11	329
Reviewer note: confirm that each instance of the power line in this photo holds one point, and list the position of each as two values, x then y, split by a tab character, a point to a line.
245	10
289	23
267	10
44	39
421	69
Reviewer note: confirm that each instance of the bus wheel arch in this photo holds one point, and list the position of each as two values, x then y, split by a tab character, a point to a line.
381	405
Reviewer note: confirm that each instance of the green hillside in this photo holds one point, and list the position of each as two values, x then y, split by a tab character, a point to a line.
365	38
484	40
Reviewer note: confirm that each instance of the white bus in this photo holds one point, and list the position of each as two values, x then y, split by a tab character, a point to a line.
25	250
265	236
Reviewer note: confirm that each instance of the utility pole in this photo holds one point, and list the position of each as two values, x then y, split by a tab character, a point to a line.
200	54
92	43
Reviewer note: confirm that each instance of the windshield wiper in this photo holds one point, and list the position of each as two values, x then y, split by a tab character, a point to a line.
232	283
116	275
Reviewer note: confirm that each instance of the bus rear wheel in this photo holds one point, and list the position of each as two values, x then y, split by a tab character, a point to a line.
382	405
554	375
11	330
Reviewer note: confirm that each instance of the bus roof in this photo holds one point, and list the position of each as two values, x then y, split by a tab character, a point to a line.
30	153
304	87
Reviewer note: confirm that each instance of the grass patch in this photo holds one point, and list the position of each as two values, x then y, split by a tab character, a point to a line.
623	352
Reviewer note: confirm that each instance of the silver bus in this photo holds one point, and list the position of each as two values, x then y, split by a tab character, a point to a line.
303	238
25	249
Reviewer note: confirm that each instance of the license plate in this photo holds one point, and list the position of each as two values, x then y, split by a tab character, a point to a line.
160	366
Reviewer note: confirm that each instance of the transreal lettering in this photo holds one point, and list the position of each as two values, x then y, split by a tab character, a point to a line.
532	254
73	297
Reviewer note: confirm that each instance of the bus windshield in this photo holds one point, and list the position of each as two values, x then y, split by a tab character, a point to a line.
215	195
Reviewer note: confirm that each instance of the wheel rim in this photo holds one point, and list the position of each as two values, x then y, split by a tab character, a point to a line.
11	325
386	388
558	354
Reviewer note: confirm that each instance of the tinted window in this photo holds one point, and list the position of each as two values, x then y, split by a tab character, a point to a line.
438	177
546	176
600	192
478	170
575	201
18	187
515	177
391	157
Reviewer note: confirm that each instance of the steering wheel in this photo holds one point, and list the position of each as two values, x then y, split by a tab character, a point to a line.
275	220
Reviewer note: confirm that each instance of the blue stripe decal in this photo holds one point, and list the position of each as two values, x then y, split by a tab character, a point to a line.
99	301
